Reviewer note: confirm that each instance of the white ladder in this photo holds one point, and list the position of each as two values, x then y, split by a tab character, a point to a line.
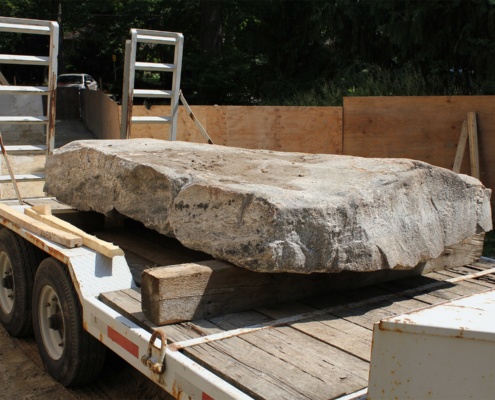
130	67
37	27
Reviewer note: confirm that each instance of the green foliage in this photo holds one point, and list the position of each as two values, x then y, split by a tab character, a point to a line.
284	51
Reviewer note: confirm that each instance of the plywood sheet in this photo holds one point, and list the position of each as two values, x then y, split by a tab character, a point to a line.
422	128
299	129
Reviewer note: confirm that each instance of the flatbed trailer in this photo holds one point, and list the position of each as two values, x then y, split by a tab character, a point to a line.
316	348
80	300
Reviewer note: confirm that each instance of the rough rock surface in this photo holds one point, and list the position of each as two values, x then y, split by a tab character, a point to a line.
274	211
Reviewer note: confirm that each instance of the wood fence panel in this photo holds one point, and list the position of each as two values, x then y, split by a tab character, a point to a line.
101	114
422	128
303	129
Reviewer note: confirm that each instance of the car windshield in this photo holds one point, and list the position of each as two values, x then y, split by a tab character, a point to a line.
70	79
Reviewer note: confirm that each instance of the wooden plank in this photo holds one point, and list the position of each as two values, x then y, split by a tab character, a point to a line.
337	332
252	370
473	144
43	213
39	228
205	289
422	296
461	148
340	372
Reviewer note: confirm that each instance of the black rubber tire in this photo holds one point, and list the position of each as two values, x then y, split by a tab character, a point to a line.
24	259
82	356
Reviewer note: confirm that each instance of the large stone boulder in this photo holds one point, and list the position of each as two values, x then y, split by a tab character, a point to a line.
274	211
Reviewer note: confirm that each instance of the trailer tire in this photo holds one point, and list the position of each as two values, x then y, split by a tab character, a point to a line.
70	354
19	260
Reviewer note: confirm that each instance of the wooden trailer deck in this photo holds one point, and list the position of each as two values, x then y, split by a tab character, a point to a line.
316	348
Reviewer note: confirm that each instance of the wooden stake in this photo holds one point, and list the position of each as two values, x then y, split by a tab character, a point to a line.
473	144
461	147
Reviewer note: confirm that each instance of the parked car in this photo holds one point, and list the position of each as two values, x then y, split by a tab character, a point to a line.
81	81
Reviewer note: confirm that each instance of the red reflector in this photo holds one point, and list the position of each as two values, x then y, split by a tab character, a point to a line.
206	397
122	341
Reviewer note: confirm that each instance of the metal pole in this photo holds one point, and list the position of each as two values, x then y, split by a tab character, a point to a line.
193	117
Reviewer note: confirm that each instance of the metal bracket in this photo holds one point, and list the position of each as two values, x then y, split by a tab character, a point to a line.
157	366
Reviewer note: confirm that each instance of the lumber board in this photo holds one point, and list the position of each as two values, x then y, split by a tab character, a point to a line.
473	144
43	213
40	228
461	148
474	283
428	299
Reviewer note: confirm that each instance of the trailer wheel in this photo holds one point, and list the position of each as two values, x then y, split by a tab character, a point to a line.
18	262
70	354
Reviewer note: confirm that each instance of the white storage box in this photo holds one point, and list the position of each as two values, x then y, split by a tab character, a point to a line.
445	351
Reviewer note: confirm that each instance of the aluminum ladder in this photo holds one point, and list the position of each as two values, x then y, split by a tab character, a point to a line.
36	27
130	67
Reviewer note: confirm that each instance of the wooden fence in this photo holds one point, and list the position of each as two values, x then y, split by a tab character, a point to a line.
421	128
304	129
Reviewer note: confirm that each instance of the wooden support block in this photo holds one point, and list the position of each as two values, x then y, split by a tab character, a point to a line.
39	228
473	145
210	288
207	289
101	246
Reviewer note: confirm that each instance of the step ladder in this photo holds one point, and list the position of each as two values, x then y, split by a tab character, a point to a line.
37	27
131	65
